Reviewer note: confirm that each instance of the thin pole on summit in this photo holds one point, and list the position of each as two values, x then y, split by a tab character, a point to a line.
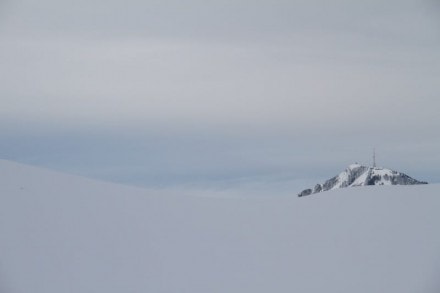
374	157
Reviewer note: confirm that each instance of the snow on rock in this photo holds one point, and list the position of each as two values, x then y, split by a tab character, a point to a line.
359	175
62	233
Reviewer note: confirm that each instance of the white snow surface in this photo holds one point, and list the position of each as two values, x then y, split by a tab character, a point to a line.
385	176
62	233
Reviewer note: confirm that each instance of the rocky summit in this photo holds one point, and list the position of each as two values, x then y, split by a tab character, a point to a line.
359	175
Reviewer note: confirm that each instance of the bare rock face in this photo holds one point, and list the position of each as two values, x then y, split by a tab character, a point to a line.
317	188
359	175
305	192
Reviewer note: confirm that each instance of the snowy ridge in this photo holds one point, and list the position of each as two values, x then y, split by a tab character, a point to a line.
359	175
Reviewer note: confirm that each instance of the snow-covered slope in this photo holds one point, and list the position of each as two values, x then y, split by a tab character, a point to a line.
60	233
359	175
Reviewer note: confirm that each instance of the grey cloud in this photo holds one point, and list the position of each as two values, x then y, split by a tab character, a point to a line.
219	19
142	81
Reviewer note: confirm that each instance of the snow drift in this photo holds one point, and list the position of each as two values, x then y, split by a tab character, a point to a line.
61	233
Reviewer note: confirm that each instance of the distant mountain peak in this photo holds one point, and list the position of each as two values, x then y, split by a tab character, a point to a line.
360	175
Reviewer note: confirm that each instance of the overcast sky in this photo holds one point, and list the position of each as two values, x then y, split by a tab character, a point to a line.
195	92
